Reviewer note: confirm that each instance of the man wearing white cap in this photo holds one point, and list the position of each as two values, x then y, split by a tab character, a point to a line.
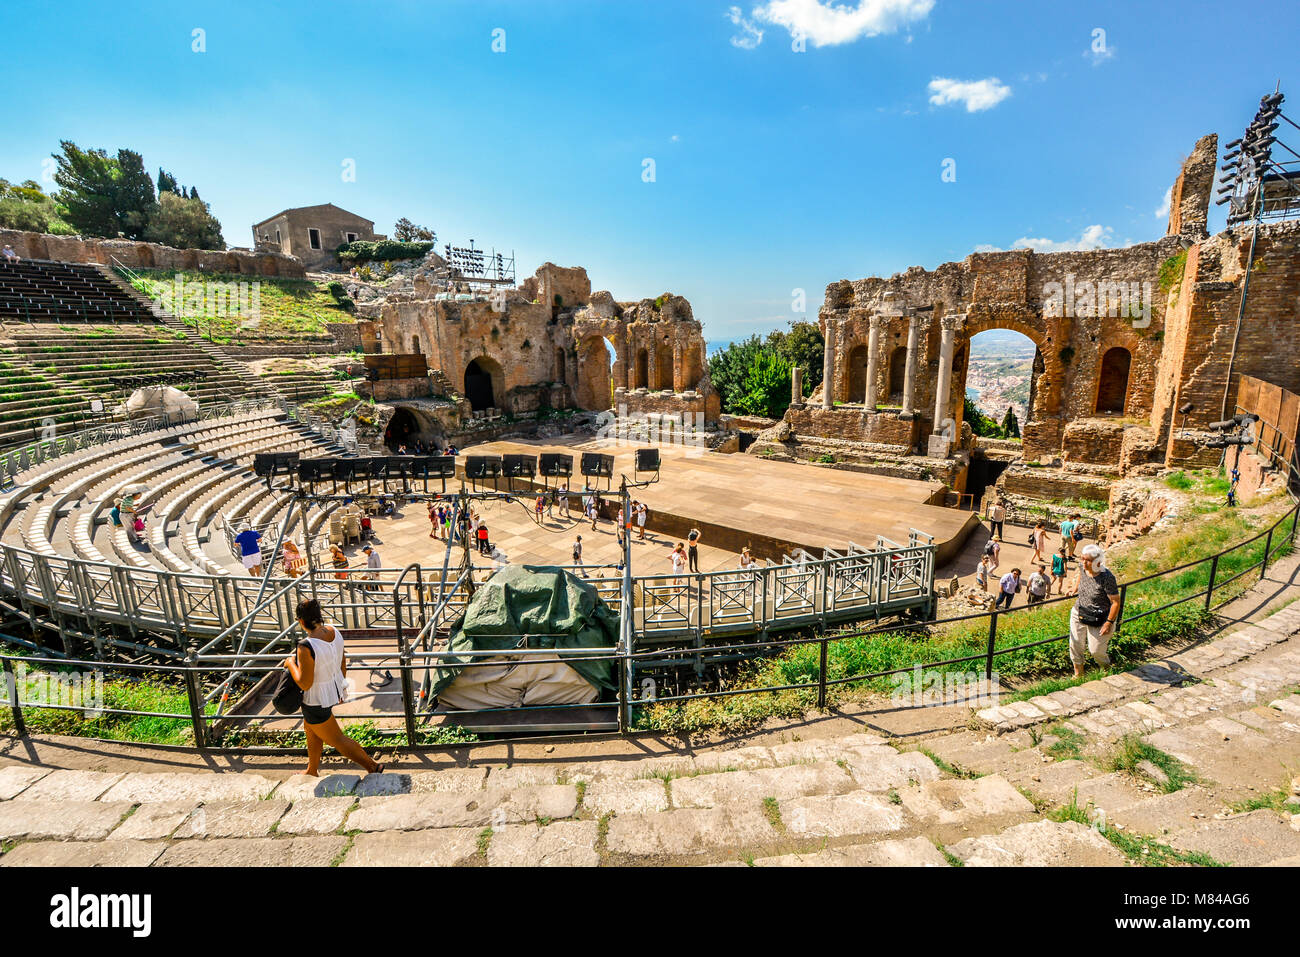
1093	617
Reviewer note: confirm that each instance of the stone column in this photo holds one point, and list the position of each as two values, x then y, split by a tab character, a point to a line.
796	387
909	375
873	350
828	367
679	369
943	388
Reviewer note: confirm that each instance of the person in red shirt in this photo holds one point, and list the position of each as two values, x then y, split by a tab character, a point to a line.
483	539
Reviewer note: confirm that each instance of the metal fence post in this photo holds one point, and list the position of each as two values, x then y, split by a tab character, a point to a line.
821	673
993	638
404	662
196	704
1268	546
1214	573
15	705
1119	615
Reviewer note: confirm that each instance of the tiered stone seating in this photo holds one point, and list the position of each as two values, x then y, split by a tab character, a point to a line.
89	359
40	291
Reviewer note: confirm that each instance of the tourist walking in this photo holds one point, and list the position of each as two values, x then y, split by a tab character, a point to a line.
693	549
641	515
1038	539
1071	534
539	507
482	534
433	520
1058	569
577	555
993	552
982	571
340	562
1007	588
373	564
1092	620
563	493
997	514
678	557
250	550
1039	585
319	667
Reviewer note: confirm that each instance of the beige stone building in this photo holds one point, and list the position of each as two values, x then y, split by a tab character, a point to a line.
312	233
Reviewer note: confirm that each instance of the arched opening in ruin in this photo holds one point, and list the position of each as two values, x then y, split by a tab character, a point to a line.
694	367
999	370
415	345
897	374
856	375
559	373
664	366
403	429
1112	383
595	385
641	379
482	378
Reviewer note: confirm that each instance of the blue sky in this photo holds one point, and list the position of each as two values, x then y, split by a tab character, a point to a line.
774	169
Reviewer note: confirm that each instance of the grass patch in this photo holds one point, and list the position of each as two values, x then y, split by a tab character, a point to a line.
947	768
952	859
1137	848
1131	750
484	839
1068	745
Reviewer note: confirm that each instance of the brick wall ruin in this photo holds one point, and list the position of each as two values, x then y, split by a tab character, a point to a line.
1117	354
138	255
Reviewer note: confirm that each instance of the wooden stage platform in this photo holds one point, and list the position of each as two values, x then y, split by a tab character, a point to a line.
774	507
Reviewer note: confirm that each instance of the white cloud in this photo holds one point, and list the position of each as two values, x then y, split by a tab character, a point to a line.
1098	56
975	95
827	23
1163	211
1092	237
750	35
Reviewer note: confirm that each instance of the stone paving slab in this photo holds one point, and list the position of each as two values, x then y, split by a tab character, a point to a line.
315	816
302	786
15	779
823	749
377	785
963	802
625	797
153	822
1039	844
688	831
238	819
855	814
70	786
881	772
456	780
1247	840
63	821
751	787
476	809
1166	814
524	776
912	852
1111	792
144	788
561	844
735	759
84	854
254	852
446	847
1056	780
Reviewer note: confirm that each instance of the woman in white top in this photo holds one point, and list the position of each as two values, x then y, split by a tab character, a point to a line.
678	557
319	668
746	559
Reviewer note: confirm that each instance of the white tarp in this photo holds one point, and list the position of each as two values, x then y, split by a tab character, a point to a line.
160	400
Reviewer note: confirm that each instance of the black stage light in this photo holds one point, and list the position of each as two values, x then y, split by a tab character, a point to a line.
482	466
520	466
647	460
266	464
433	466
597	465
1225	424
1186	408
555	465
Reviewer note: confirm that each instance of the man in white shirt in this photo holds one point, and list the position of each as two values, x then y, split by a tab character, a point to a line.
373	564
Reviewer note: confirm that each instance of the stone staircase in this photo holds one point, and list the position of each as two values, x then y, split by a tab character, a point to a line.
1216	784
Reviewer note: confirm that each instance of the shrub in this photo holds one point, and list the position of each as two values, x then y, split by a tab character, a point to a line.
382	250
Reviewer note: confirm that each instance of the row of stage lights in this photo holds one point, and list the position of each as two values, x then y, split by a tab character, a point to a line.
389	471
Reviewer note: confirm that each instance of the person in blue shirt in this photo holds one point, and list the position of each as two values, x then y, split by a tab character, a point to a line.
250	550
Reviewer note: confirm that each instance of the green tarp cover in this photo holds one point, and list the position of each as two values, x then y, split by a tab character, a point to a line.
552	607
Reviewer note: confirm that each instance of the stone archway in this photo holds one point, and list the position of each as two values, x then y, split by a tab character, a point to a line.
856	374
897	374
482	383
1112	381
641	379
594	389
664	366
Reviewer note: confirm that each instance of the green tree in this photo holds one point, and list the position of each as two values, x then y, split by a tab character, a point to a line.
104	195
1010	426
803	346
167	183
980	423
26	206
729	369
406	231
184	223
767	385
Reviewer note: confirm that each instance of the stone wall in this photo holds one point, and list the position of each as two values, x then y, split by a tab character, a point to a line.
884	428
137	255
